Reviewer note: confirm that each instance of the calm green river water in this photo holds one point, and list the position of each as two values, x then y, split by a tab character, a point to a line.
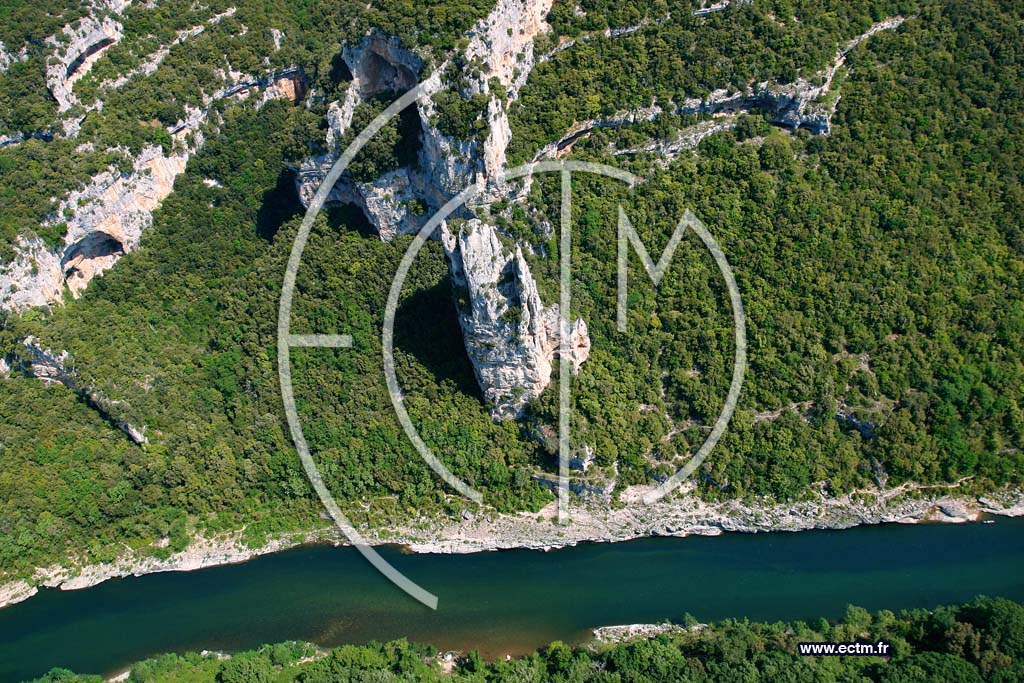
511	601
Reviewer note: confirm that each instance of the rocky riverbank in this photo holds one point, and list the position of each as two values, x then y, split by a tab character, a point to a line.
204	552
685	514
610	635
592	521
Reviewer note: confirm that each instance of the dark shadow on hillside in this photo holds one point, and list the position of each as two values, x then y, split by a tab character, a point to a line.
427	327
341	217
410	137
278	205
339	72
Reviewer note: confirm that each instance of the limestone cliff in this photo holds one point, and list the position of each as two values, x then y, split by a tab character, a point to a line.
78	47
51	367
109	215
501	52
106	218
378	64
511	336
33	278
7	57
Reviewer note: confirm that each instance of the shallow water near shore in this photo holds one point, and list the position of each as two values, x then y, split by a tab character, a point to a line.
510	602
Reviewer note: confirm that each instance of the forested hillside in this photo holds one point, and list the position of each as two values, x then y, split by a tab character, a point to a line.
979	642
880	268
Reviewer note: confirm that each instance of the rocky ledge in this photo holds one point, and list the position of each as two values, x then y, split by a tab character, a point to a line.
79	46
59	368
804	103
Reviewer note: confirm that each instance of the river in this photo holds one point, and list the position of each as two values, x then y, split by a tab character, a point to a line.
510	602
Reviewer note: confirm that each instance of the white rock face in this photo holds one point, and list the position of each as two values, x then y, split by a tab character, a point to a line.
386	203
501	44
503	40
79	47
106	218
276	35
110	214
339	115
7	58
511	336
34	278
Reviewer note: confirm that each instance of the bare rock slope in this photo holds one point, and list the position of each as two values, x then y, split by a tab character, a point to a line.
510	335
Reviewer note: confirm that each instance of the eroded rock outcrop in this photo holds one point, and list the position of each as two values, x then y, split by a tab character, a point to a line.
33	278
800	104
110	214
378	64
106	218
51	367
511	336
7	58
500	51
79	46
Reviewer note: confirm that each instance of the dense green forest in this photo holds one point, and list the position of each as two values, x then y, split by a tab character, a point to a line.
880	268
676	56
979	642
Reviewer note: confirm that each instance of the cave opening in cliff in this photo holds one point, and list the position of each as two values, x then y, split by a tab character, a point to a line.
378	75
339	73
92	246
349	216
89	52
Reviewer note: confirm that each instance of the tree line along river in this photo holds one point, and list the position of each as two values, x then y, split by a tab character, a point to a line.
510	602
